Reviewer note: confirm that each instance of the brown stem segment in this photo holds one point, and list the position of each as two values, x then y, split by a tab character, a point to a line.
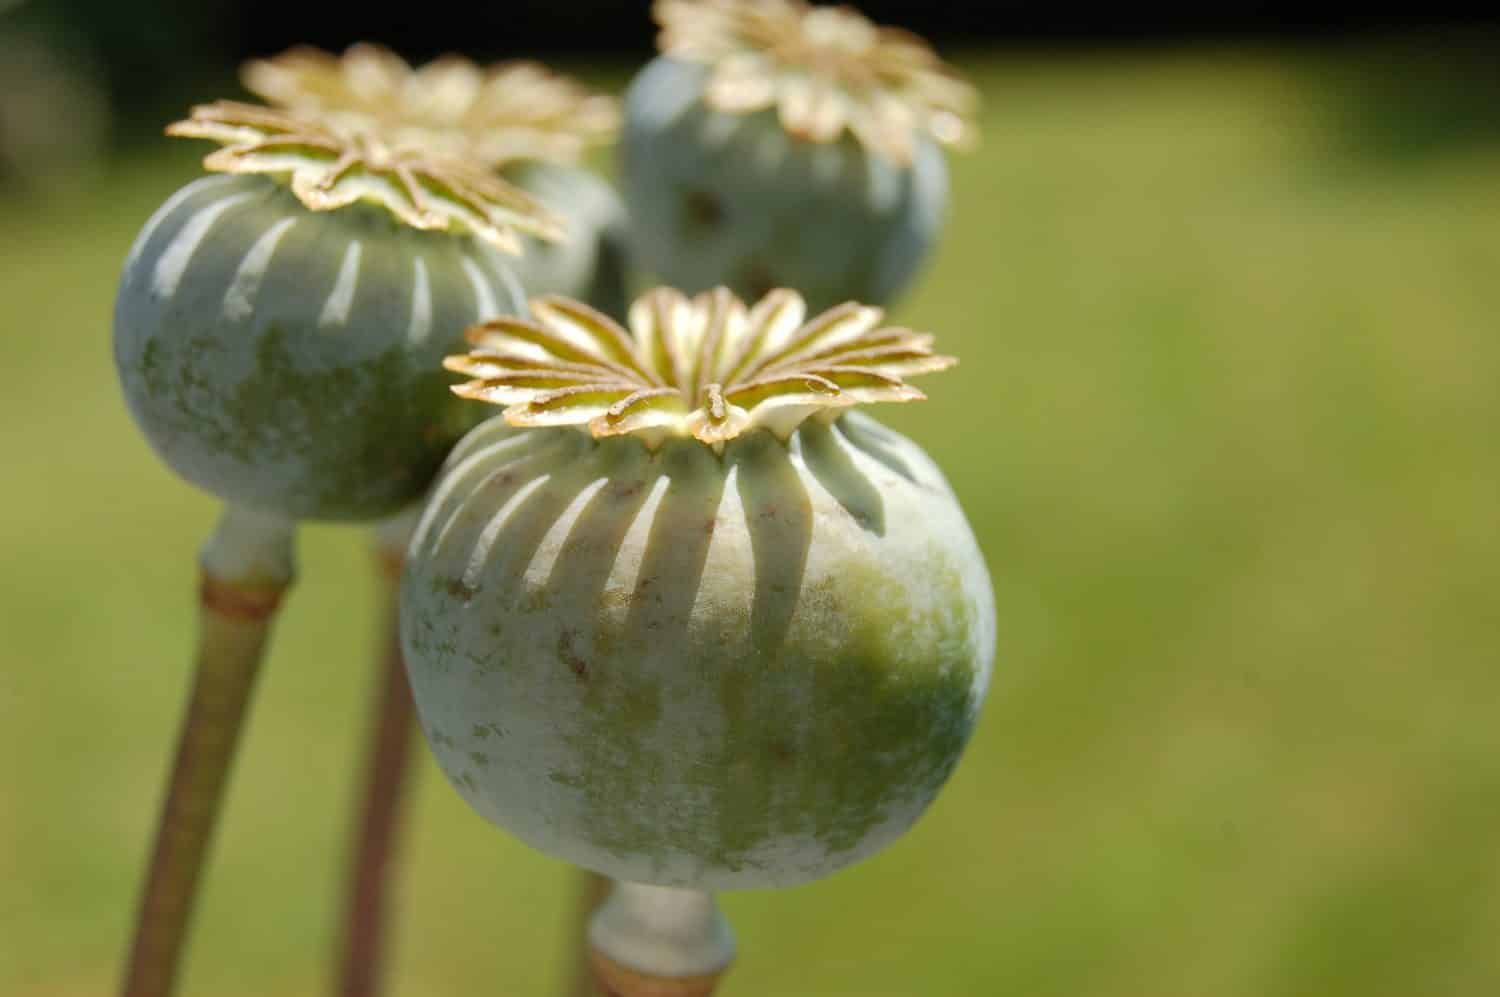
592	889
367	901
234	621
613	979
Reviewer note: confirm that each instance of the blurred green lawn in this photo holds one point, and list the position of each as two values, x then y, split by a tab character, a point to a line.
1227	428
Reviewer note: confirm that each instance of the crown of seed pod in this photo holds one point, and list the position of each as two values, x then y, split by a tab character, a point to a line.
278	328
493	115
774	142
711	629
520	118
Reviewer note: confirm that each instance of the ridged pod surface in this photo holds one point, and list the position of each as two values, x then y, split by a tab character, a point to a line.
290	361
590	264
717	671
719	198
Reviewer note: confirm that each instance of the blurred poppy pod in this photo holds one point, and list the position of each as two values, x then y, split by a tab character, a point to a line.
530	124
777	143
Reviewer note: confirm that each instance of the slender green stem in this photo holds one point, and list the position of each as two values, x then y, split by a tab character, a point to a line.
386	784
654	941
246	566
591	890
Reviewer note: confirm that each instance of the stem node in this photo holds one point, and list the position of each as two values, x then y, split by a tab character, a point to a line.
655	941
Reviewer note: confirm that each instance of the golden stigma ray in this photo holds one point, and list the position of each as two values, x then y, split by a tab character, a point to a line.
330	167
710	366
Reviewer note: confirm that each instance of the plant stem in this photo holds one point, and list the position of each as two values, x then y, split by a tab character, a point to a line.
246	567
654	941
387	773
591	891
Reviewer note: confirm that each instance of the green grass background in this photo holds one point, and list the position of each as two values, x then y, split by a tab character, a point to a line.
1226	426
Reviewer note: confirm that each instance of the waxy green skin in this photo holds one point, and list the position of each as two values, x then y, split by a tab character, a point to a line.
591	262
290	361
696	670
734	199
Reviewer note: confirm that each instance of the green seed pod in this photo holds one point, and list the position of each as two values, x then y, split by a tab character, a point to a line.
281	354
733	635
777	143
591	263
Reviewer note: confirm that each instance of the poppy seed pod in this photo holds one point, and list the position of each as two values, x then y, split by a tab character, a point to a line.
591	263
730	635
280	353
776	143
531	124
